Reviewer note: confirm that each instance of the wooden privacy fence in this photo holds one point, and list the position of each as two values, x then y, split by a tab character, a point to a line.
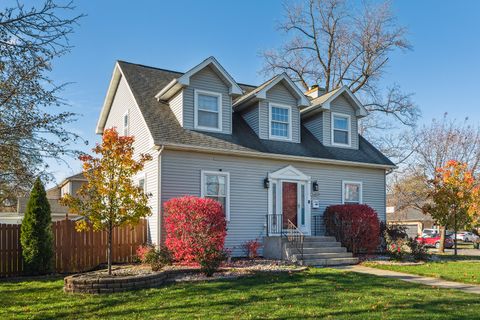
74	251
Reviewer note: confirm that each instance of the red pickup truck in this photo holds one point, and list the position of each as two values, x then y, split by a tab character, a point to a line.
434	241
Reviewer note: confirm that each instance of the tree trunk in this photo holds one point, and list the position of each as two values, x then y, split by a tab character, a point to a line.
109	249
455	232
442	240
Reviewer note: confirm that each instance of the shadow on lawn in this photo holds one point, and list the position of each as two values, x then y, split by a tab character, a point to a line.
314	294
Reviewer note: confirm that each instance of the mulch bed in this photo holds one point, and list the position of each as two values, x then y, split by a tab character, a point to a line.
137	276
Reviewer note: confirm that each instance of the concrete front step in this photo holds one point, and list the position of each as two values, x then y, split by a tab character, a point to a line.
317	244
313	256
330	262
318	238
324	250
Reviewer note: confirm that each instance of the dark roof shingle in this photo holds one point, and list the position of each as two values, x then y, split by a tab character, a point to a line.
145	82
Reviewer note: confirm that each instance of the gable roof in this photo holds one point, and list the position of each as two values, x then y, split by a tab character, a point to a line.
260	92
166	131
323	102
184	80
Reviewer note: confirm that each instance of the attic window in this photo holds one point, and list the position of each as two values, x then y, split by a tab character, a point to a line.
280	122
208	111
340	129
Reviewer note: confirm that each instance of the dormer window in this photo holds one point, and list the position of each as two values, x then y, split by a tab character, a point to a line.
341	130
280	122
208	110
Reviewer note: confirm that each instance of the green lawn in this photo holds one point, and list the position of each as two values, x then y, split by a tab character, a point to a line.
317	293
449	269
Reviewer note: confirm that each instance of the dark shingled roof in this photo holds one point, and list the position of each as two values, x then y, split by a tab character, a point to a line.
145	82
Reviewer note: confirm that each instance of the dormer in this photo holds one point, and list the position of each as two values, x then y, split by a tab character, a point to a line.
333	118
273	109
201	98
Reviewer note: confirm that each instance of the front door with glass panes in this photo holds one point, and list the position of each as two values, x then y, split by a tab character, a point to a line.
290	203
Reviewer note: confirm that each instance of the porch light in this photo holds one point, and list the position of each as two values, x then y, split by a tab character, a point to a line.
315	185
266	183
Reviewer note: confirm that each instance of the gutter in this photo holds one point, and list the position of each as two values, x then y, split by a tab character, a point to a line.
263	155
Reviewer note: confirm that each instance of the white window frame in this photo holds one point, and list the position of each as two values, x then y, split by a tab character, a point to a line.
209	93
126	129
360	193
204	173
349	129
282	106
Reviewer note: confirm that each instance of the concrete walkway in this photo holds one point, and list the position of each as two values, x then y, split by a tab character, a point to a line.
434	282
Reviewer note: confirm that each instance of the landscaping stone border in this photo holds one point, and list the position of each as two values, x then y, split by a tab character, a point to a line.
83	283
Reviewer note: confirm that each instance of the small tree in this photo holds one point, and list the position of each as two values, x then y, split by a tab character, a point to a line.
452	197
36	232
109	198
196	231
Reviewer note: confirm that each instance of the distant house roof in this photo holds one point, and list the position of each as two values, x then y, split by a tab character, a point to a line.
146	82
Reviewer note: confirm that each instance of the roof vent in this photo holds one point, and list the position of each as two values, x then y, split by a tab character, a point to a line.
315	91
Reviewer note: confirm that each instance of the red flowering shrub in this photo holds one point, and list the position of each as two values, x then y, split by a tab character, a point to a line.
251	248
356	226
196	230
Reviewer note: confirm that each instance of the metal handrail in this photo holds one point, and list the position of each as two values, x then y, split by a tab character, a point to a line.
295	237
292	234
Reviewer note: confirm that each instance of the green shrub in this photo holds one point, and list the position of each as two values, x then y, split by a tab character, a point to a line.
211	259
417	250
396	241
156	258
36	235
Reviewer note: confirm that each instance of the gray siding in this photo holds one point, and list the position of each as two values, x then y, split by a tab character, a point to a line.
315	126
207	80
279	94
181	172
340	105
252	117
122	102
176	104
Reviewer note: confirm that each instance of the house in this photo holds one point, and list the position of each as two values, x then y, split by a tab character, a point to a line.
58	212
413	219
273	156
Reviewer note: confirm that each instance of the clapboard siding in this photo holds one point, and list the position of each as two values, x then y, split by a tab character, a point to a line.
176	104
340	105
252	117
206	79
181	172
123	102
315	126
279	94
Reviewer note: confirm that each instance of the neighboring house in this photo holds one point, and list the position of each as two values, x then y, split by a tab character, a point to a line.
269	154
68	185
413	219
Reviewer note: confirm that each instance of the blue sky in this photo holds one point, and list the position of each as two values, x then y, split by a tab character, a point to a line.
442	69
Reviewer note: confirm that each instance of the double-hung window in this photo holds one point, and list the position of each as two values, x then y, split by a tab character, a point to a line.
126	123
351	192
208	110
280	122
340	129
142	184
216	185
